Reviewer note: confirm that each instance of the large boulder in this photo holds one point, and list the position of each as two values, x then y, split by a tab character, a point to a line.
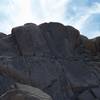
47	54
54	34
62	40
28	39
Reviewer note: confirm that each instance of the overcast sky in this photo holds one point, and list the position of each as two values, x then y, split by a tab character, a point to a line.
82	14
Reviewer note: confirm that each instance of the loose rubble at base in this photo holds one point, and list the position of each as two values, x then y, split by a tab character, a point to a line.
64	64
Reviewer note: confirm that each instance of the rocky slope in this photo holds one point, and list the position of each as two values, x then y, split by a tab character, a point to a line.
60	61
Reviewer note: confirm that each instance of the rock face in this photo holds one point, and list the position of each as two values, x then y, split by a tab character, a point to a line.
97	43
2	35
62	63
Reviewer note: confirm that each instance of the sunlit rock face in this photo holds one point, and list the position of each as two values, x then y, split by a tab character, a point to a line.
25	92
61	62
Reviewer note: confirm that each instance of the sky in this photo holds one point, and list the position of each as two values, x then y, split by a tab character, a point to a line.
81	14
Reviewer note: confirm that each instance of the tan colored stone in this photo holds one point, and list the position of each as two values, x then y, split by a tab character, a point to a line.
90	45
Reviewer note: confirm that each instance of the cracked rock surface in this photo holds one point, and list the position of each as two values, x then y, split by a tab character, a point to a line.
62	62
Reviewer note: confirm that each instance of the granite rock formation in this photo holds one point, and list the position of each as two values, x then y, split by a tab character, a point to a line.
57	58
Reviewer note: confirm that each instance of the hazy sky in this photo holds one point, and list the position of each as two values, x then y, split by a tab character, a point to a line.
82	14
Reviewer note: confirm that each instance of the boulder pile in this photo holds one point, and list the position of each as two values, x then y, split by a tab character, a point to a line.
57	58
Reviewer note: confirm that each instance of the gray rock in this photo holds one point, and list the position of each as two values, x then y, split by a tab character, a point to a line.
96	92
25	92
73	35
29	39
61	39
97	42
2	35
86	96
7	46
48	55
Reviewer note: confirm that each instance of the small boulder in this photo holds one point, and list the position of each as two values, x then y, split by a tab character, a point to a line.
25	92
